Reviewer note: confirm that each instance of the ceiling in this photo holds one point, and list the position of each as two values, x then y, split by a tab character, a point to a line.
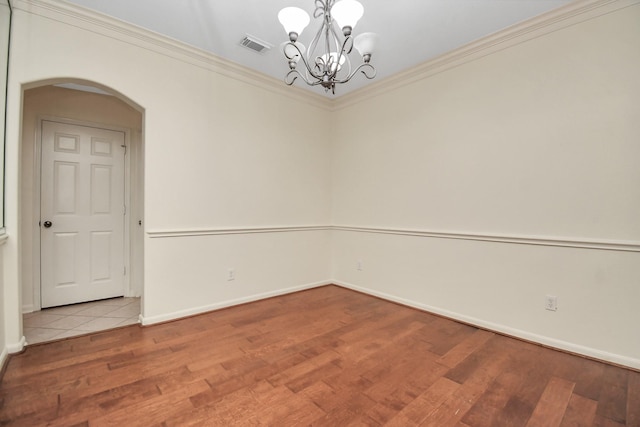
410	31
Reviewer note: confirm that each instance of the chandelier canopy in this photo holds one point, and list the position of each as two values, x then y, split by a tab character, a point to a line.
327	61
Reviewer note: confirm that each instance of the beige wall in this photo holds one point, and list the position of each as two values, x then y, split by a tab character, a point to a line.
537	144
538	139
222	151
91	108
533	144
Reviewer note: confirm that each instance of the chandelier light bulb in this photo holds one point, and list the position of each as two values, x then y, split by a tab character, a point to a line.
331	61
346	13
294	20
366	43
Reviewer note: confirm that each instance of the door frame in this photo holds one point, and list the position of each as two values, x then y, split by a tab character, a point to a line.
37	175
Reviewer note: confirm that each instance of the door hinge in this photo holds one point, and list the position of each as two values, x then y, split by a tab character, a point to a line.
124	209
125	149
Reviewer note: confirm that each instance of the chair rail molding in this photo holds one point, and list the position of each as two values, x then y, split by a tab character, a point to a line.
190	232
570	242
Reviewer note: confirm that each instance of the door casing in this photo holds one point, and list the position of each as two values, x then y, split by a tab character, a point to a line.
37	169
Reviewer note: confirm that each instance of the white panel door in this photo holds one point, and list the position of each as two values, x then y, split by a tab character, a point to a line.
82	214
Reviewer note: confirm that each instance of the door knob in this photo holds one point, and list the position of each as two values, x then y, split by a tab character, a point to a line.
47	224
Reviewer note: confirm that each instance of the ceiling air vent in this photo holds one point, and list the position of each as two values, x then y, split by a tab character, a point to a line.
255	44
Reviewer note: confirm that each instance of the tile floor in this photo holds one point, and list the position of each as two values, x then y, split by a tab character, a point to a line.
77	319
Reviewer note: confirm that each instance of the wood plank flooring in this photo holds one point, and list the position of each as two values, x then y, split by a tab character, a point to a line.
326	357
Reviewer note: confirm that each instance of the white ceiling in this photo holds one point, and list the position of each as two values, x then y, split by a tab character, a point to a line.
410	31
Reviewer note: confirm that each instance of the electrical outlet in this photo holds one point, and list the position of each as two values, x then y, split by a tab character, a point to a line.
551	303
359	265
231	274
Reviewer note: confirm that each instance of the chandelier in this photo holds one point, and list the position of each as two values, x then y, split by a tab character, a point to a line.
327	61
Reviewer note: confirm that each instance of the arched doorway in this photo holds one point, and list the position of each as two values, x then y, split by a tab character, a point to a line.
88	113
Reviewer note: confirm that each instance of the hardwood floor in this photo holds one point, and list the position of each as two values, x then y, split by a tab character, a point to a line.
327	356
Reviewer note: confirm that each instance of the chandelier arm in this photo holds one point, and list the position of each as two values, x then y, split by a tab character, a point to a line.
302	76
309	70
373	70
347	39
331	32
332	38
346	67
327	27
323	11
300	55
362	68
288	76
292	75
343	52
321	6
284	50
312	48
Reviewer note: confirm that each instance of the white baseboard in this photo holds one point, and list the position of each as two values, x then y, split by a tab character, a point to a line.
10	349
27	308
3	357
503	329
528	336
150	320
18	347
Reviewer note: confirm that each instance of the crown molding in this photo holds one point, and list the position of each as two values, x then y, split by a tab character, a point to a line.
80	17
570	14
95	22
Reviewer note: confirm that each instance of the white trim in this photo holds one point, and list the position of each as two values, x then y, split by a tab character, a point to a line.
27	308
35	209
3	357
149	320
128	216
98	23
569	242
557	19
136	213
223	231
560	241
3	236
18	347
84	88
528	336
